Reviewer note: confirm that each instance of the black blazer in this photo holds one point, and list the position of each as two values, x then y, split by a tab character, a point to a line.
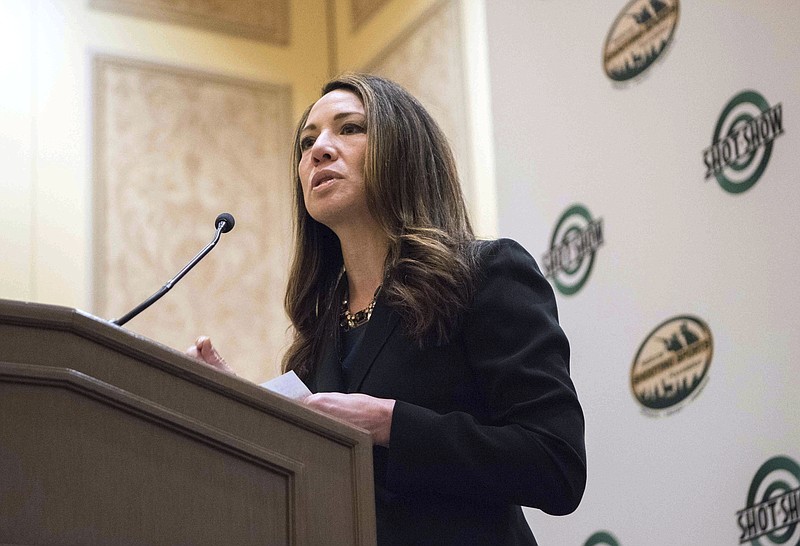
482	425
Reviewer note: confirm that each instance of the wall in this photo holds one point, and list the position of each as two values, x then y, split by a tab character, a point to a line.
668	251
48	154
105	211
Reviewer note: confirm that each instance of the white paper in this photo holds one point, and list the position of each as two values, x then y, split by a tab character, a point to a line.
288	385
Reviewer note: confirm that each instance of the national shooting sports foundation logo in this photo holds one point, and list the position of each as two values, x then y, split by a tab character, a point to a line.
772	513
742	142
572	249
671	367
639	35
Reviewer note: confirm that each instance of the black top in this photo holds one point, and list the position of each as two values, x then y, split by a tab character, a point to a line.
350	340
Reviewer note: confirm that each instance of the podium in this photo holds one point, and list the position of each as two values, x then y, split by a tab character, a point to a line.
108	438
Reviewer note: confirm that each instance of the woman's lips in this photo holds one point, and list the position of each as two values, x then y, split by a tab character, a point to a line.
323	179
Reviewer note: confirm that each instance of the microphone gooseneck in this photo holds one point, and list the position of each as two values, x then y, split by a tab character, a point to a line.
223	224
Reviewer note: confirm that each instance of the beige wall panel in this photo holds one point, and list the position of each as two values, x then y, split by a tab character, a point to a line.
60	142
427	60
16	149
266	20
356	48
173	148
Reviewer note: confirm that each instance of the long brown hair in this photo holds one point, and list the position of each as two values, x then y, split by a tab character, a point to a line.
413	191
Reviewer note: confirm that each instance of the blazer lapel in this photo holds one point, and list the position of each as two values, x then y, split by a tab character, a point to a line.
380	326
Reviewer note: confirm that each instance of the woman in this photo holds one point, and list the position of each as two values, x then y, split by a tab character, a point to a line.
446	349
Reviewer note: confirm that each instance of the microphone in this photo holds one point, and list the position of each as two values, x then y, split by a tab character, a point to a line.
223	224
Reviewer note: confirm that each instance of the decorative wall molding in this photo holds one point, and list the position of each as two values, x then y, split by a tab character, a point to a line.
363	10
263	20
172	149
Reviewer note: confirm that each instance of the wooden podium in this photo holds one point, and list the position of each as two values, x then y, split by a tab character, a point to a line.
109	438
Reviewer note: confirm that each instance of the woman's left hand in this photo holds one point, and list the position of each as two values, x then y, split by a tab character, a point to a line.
206	353
361	410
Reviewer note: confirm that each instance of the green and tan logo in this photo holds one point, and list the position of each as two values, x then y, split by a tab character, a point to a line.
601	538
742	142
671	366
772	514
639	35
572	249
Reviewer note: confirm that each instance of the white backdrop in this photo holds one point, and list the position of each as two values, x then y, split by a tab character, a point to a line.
674	244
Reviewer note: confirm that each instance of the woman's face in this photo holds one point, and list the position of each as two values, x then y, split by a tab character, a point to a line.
333	144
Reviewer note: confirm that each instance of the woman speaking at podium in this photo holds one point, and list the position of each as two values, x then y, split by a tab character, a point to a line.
446	349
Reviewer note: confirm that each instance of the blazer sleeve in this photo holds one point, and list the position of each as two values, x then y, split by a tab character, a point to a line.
528	448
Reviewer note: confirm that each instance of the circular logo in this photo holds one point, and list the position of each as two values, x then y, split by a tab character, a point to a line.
640	33
742	142
572	249
772	514
672	364
602	538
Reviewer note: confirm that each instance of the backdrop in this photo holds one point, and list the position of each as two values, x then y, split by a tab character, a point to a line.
647	155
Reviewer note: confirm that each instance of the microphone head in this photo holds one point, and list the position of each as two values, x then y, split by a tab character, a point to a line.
227	221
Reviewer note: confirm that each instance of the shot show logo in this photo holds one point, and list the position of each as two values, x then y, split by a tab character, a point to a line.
671	366
572	249
601	538
742	142
772	514
641	32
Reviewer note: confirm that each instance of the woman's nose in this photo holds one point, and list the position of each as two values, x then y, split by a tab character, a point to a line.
323	148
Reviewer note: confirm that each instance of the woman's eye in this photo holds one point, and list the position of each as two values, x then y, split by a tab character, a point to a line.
306	143
351	129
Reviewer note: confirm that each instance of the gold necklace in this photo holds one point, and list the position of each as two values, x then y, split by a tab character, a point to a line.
348	320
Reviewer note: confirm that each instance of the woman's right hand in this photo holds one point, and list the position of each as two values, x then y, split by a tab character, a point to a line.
205	352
